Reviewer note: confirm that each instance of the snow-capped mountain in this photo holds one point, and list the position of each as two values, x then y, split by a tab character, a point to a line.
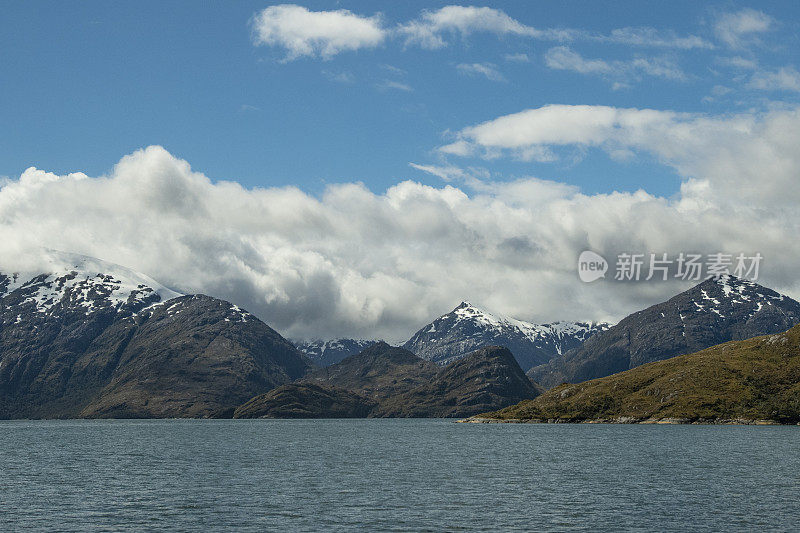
71	282
83	337
326	353
467	328
712	312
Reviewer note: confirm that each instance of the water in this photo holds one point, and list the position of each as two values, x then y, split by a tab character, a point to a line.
395	475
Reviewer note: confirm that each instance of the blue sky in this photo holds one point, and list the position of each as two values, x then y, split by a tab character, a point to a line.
85	83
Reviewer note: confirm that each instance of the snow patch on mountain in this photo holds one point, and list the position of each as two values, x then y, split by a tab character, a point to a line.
86	282
467	327
534	332
328	352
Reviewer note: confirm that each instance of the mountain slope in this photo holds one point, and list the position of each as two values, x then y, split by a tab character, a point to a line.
713	312
306	400
326	353
378	372
489	378
740	381
89	338
468	328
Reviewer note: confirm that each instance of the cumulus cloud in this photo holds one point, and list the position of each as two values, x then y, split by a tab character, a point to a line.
353	262
315	33
741	28
487	70
564	58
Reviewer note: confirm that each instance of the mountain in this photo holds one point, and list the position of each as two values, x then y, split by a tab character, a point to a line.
379	371
468	328
326	353
384	381
87	338
750	381
712	312
489	378
306	400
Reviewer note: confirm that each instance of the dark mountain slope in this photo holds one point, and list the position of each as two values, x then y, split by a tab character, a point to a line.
715	311
487	377
91	338
307	400
378	372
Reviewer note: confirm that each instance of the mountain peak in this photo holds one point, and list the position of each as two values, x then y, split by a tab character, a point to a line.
72	281
467	328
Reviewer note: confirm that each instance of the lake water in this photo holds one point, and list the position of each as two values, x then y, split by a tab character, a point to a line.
395	475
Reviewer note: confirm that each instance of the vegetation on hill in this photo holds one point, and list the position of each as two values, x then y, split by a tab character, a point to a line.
740	381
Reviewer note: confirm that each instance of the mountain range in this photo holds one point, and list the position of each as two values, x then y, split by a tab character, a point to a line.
385	381
86	338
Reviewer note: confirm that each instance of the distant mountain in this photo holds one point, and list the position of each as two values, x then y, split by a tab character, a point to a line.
713	312
486	379
468	328
377	372
86	338
750	381
383	381
307	400
326	353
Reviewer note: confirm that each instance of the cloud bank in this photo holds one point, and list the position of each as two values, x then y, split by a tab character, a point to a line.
359	263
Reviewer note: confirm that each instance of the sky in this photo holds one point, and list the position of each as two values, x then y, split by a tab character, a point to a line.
357	168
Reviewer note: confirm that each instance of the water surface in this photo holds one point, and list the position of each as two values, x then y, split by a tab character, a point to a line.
395	475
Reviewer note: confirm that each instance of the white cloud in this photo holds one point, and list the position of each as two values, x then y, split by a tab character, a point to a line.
739	62
431	28
474	178
488	70
735	153
386	85
315	33
652	37
357	263
564	58
741	28
324	34
783	79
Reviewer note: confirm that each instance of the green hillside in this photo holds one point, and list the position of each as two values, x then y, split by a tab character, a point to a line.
742	381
